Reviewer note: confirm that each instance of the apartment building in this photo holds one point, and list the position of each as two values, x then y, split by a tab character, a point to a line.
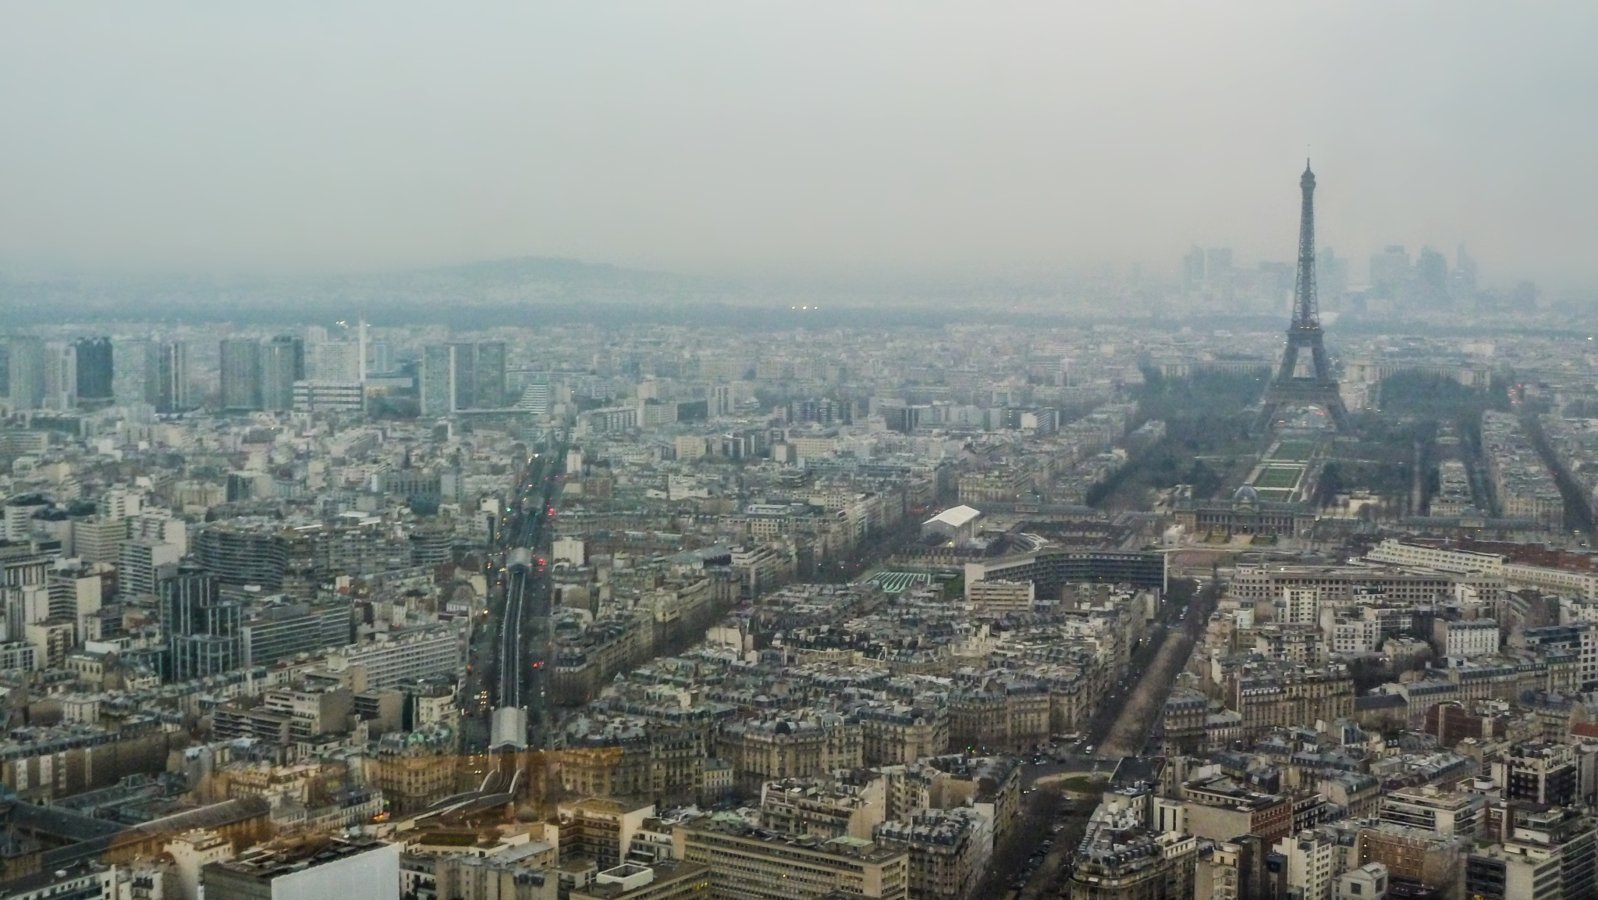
894	733
1274	696
1310	865
1430	808
774	748
749	864
948	849
824	807
1219	808
392	657
995	599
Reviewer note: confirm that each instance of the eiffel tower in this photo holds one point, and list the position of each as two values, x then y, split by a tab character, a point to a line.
1318	387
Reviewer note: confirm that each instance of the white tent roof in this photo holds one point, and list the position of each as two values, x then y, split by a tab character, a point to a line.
955	516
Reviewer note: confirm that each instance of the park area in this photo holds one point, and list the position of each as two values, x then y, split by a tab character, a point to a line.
1278	478
1280	473
1294	451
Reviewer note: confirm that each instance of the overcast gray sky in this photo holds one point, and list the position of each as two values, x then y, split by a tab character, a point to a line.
991	138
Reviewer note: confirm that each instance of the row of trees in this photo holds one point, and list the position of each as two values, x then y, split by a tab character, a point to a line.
1205	414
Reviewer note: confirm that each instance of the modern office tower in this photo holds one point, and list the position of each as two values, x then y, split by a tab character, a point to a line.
537	396
1390	270
159	525
201	628
479	374
60	377
95	372
335	377
1218	269
1218	259
490	380
1193	271
241	373
437	380
240	553
21	607
902	416
166	376
381	357
816	409
25	367
1331	274
282	364
1431	278
465	357
98	539
465	374
139	561
127	379
334	362
721	400
315	396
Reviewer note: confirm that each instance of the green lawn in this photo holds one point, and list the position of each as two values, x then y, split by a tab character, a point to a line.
1296	451
1279	477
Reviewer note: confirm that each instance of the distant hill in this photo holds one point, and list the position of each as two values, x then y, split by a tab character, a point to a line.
534	290
418	295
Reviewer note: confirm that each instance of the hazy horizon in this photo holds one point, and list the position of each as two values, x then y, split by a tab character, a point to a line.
889	139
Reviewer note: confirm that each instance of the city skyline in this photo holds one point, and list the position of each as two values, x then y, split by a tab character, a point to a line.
798	451
665	602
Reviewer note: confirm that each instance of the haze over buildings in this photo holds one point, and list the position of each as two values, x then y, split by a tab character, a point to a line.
893	139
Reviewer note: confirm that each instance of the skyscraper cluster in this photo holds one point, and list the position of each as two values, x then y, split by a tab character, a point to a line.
166	376
462	375
261	374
